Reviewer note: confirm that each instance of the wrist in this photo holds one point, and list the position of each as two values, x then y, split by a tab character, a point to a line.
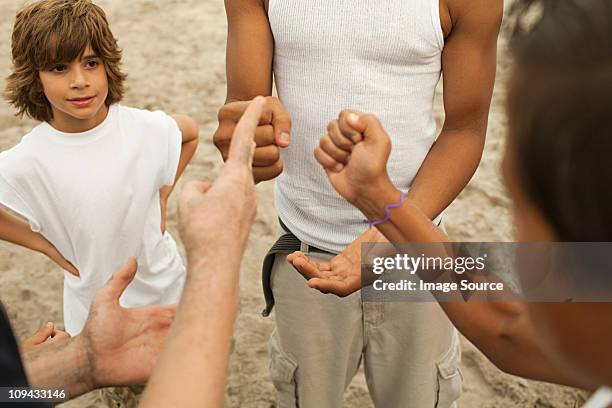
372	203
86	362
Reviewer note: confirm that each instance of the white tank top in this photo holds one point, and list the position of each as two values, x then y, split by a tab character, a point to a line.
377	56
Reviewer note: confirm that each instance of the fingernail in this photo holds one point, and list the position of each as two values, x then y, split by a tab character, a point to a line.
353	118
338	167
50	324
356	138
285	137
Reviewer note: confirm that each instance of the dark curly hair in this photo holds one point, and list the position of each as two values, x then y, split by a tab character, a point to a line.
52	31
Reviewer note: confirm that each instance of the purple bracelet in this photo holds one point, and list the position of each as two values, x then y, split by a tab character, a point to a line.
388	209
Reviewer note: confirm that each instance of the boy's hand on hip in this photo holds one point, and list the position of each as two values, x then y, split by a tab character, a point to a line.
354	153
273	133
53	254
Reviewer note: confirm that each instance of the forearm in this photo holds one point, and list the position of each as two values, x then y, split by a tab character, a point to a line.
63	364
408	223
447	169
250	50
501	330
197	351
504	333
17	231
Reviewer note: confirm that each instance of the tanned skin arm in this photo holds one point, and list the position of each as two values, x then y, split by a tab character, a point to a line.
469	63
250	51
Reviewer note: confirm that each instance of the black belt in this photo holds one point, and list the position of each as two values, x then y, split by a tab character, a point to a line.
286	244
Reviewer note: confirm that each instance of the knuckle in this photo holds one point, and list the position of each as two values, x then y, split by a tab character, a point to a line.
344	113
278	167
275	154
224	113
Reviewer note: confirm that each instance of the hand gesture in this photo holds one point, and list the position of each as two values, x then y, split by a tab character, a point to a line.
340	276
230	202
273	132
123	344
52	253
44	336
343	274
354	154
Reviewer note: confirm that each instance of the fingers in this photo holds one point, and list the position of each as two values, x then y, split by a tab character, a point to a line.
43	333
242	146
281	121
231	112
303	265
336	287
264	135
72	269
267	172
328	146
60	335
336	136
368	125
328	162
345	128
121	279
266	156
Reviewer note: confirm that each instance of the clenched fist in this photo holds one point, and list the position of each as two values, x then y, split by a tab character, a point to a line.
272	134
354	153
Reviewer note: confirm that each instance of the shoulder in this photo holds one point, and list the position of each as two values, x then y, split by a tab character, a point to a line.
26	149
142	117
471	15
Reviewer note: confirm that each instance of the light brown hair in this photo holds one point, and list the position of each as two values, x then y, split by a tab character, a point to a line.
51	31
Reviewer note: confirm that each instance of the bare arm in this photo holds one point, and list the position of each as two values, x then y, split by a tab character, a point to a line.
192	370
117	346
191	137
63	364
18	231
250	50
501	330
468	63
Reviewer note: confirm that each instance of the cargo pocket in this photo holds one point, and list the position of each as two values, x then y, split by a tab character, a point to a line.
450	378
282	372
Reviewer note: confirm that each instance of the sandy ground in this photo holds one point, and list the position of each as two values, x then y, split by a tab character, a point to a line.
174	54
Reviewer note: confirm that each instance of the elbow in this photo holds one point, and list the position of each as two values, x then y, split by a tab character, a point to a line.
188	127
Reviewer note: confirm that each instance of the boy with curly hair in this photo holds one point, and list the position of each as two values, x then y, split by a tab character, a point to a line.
93	178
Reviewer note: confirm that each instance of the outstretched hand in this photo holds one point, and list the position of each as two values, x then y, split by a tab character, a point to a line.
123	344
340	276
343	274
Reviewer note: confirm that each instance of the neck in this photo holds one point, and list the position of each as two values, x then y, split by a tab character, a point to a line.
69	124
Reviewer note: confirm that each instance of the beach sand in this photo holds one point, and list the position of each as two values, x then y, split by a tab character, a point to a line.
174	53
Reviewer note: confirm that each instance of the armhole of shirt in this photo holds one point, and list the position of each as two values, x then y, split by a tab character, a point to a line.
173	155
437	23
13	200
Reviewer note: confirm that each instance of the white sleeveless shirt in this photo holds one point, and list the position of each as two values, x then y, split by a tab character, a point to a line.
381	57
